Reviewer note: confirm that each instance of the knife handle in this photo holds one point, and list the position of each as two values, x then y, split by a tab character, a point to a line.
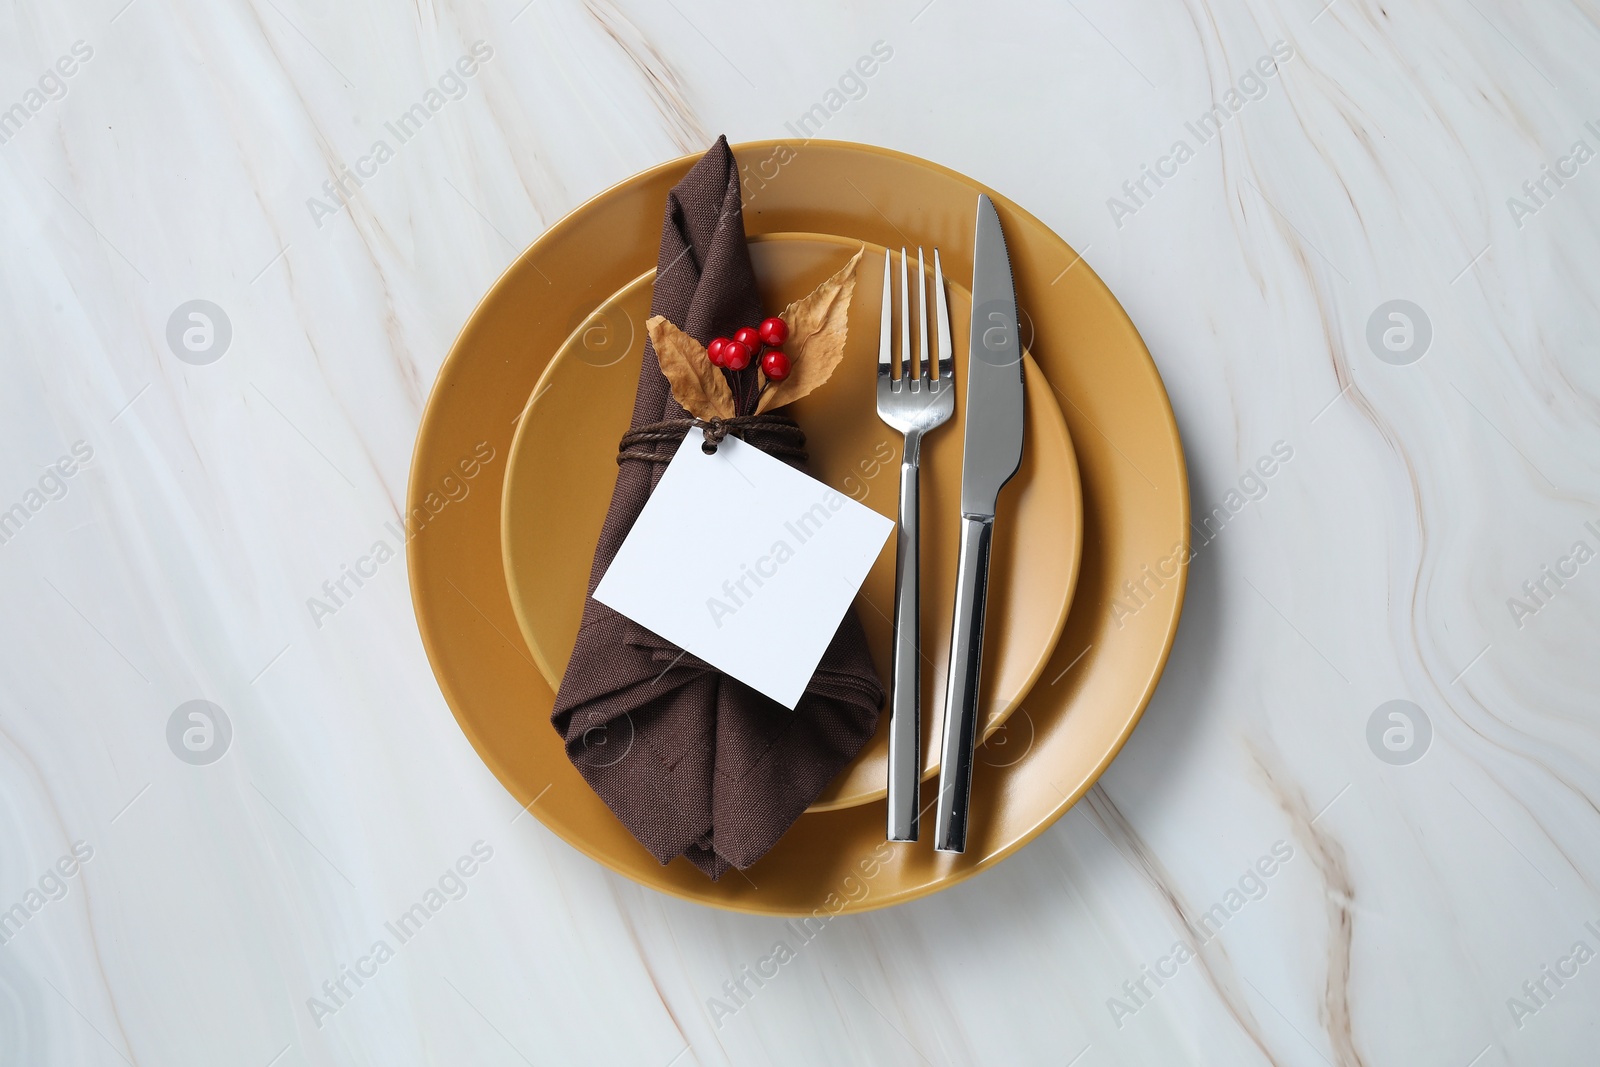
905	715
961	689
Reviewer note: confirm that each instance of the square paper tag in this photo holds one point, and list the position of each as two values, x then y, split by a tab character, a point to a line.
745	562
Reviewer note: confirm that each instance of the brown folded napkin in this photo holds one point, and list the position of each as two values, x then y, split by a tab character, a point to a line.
693	762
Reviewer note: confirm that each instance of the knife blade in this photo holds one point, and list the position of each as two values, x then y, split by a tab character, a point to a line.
993	452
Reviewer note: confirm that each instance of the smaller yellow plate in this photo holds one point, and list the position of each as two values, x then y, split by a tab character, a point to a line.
562	468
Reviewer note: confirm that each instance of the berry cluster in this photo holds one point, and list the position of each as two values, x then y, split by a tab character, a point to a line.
735	353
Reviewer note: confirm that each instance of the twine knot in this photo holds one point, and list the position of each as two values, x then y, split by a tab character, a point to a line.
715	431
777	436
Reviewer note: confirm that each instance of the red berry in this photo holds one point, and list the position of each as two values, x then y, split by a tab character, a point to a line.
774	331
748	337
775	365
736	355
714	352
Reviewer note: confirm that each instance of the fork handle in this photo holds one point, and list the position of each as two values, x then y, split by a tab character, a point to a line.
905	714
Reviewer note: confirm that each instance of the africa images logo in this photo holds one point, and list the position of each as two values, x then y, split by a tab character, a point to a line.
802	528
1251	886
451	85
348	979
1253	85
52	485
51	85
453	488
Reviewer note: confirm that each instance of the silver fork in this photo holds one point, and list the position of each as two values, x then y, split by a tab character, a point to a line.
913	403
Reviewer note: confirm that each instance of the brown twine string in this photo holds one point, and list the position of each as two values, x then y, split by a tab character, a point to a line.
790	443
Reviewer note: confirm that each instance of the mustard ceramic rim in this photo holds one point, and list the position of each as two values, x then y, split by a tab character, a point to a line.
1135	502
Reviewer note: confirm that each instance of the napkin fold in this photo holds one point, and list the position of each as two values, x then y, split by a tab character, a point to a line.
693	762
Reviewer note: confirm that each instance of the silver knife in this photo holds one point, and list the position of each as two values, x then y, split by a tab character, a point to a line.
993	452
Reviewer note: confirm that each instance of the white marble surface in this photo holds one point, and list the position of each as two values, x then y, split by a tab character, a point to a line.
175	164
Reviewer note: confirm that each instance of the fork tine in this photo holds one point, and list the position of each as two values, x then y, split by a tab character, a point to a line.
924	367
947	363
886	323
905	322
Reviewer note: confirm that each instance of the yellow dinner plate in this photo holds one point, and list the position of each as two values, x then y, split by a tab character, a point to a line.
562	467
1134	521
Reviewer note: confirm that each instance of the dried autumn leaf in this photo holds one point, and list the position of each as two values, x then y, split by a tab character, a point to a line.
817	325
696	384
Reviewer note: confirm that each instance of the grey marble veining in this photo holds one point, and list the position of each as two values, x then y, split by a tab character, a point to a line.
1360	242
